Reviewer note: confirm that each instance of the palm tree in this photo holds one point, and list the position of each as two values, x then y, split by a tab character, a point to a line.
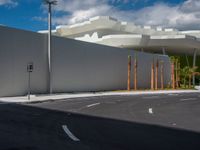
184	74
187	72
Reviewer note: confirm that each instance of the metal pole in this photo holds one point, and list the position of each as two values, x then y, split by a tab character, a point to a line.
49	49
163	51
49	3
29	85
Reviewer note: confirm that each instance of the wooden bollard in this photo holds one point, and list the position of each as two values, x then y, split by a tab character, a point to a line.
152	76
179	78
176	76
156	76
172	76
129	74
161	75
135	73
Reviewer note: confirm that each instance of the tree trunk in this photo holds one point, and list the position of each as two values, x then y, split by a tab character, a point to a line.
185	81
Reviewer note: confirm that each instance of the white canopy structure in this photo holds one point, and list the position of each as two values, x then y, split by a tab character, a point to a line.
109	31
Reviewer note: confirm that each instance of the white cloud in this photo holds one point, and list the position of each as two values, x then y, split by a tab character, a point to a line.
80	10
10	3
182	16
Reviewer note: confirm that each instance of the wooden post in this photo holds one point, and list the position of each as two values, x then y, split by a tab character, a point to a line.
129	74
152	76
177	85
135	73
156	80
172	76
161	75
179	74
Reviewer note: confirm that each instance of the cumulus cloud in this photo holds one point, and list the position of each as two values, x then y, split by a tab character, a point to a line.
79	10
185	15
10	3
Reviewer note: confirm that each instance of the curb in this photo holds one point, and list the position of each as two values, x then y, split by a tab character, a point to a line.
47	98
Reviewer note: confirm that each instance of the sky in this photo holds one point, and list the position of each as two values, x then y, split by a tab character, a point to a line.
32	14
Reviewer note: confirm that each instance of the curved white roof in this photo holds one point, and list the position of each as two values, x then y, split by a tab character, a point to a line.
109	31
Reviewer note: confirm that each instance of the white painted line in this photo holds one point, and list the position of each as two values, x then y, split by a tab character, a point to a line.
188	99
69	133
92	104
150	110
173	94
174	124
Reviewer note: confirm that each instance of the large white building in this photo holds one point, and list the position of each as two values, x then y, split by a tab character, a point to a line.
109	31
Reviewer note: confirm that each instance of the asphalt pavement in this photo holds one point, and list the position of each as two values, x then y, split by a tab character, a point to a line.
164	121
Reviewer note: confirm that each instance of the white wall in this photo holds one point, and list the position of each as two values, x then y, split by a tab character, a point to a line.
17	48
76	66
81	66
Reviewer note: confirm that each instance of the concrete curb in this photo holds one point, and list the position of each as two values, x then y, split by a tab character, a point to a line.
43	98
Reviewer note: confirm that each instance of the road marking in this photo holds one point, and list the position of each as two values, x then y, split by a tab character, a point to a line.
92	104
174	124
69	133
150	110
187	99
151	97
173	94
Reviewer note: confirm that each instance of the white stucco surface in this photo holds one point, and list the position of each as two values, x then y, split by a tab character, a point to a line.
77	66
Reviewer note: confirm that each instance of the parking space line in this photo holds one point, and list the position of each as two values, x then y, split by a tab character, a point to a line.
92	104
173	94
188	99
150	110
69	133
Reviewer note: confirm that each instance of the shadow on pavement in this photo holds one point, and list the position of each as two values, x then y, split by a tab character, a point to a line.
31	128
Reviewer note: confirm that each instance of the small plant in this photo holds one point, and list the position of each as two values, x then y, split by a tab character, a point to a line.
186	75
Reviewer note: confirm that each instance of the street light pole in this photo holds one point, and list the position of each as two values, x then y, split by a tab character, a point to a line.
49	3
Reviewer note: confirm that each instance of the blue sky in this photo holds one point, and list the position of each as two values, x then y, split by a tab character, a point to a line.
31	14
